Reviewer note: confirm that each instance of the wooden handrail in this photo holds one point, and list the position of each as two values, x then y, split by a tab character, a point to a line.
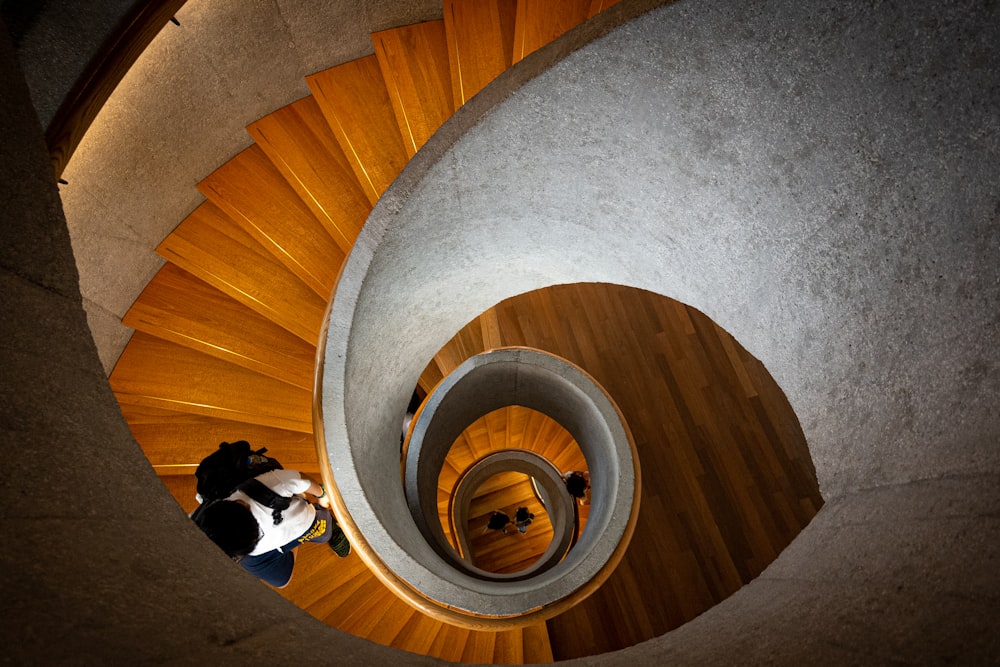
102	75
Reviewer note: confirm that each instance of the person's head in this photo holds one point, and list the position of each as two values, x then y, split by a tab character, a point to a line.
576	484
231	525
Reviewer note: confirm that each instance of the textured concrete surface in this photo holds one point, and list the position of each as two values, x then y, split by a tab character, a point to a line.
831	206
823	182
55	42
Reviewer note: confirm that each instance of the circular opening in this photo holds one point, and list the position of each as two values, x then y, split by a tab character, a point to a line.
486	382
507	526
508	428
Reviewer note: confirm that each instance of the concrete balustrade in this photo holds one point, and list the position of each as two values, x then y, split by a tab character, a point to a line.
564	392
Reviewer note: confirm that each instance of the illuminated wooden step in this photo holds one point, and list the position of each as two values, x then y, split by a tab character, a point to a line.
449	643
356	105
300	144
480	37
393	620
181	308
414	64
541	21
537	644
156	373
344	594
210	245
176	441
251	190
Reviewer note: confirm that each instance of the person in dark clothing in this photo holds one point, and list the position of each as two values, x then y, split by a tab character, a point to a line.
577	484
522	519
498	521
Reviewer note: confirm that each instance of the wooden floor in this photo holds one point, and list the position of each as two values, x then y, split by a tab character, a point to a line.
226	335
727	481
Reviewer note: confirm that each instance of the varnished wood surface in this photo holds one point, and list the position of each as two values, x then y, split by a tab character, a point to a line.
156	373
172	439
513	427
414	64
210	245
541	21
355	102
510	551
255	195
300	144
343	593
183	309
727	478
480	43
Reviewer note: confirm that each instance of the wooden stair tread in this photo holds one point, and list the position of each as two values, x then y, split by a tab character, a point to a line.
356	105
449	643
210	245
414	64
253	192
479	647
537	646
300	144
541	21
480	43
174	442
393	618
508	647
181	308
157	373
417	635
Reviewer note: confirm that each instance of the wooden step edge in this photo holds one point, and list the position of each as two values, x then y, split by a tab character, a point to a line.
229	414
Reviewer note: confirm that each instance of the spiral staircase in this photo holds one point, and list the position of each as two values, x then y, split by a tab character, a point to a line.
226	336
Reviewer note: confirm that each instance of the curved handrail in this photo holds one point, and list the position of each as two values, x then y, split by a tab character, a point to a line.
102	75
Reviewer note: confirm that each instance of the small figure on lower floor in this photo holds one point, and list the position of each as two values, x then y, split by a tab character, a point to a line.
498	521
522	519
578	485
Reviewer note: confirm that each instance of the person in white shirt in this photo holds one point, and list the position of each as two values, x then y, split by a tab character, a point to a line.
262	540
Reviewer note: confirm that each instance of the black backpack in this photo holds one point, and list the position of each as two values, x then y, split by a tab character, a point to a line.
233	466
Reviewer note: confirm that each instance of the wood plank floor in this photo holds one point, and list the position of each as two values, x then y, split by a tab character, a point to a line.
727	478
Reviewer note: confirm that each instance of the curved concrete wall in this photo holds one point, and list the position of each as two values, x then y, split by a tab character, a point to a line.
822	182
824	185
